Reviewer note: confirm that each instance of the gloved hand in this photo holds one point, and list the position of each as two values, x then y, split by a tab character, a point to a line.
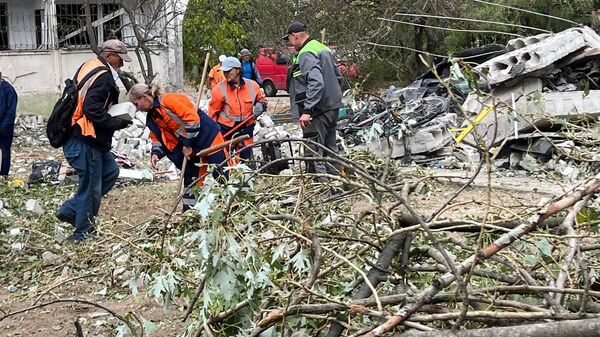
123	124
259	108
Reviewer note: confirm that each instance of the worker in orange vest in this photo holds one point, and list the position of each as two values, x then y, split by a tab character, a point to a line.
88	148
178	130
216	76
237	101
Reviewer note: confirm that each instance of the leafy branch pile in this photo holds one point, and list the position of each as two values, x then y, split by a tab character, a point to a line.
288	258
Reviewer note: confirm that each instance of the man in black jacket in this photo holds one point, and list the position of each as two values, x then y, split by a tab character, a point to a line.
88	148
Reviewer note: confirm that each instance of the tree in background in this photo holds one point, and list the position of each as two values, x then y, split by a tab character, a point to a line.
387	51
215	26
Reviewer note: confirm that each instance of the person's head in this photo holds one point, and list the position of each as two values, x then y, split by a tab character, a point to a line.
296	34
222	58
115	52
142	96
231	67
245	54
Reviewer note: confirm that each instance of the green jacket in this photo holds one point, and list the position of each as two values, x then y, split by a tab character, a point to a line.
314	86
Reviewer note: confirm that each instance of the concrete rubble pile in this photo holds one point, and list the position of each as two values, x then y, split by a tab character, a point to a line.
134	141
534	103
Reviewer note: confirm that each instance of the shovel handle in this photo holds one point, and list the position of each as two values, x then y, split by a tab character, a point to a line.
230	132
212	149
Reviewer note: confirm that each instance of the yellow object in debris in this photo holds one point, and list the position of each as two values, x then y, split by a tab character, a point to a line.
16	183
466	130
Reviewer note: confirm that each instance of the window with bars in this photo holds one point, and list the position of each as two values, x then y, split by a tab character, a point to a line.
71	24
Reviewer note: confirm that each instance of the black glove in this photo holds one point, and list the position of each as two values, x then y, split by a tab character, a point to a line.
258	110
123	124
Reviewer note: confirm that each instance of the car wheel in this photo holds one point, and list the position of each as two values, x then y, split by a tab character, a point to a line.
269	88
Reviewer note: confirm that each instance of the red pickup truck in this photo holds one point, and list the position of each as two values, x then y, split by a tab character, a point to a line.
273	63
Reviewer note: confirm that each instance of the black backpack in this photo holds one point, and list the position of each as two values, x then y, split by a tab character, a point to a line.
59	126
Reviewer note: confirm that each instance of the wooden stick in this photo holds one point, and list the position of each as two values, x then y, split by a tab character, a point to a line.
201	87
212	149
181	174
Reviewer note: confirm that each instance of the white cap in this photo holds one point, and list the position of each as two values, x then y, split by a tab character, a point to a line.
222	58
230	63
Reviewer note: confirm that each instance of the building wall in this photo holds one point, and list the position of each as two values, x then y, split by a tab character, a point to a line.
45	71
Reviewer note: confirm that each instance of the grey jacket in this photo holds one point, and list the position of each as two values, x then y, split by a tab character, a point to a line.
314	87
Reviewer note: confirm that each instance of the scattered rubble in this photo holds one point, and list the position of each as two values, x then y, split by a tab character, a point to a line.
50	259
533	106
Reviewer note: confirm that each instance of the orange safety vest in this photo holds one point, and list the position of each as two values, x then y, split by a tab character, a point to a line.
175	114
87	127
230	105
216	75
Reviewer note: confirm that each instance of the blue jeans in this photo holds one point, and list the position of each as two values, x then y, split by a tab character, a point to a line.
6	139
97	172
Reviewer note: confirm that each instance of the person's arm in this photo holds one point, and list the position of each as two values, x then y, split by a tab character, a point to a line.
95	103
260	98
157	151
216	103
257	74
311	71
183	107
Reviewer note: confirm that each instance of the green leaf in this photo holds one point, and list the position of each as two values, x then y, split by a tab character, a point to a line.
544	246
225	281
279	251
149	327
300	262
531	259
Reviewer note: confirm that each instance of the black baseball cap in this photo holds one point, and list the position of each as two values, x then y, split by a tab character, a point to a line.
295	27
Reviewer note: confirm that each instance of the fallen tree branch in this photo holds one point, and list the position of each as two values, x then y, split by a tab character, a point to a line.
505	240
579	328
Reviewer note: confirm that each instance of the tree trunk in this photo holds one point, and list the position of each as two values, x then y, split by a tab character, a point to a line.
89	29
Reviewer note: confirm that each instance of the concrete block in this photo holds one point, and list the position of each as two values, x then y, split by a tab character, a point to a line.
538	55
563	105
134	131
141	116
133	142
124	110
522	42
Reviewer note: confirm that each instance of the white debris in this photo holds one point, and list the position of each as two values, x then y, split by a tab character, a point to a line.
14	232
17	246
136	174
34	207
50	259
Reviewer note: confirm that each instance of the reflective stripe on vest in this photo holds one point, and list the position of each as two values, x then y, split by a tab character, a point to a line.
187	131
226	113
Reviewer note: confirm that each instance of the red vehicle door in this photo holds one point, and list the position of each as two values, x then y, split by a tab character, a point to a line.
272	66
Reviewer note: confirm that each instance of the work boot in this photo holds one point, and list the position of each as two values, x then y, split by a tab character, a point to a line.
64	218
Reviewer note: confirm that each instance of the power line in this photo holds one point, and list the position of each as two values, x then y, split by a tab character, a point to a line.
452	29
530	12
428	53
474	20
